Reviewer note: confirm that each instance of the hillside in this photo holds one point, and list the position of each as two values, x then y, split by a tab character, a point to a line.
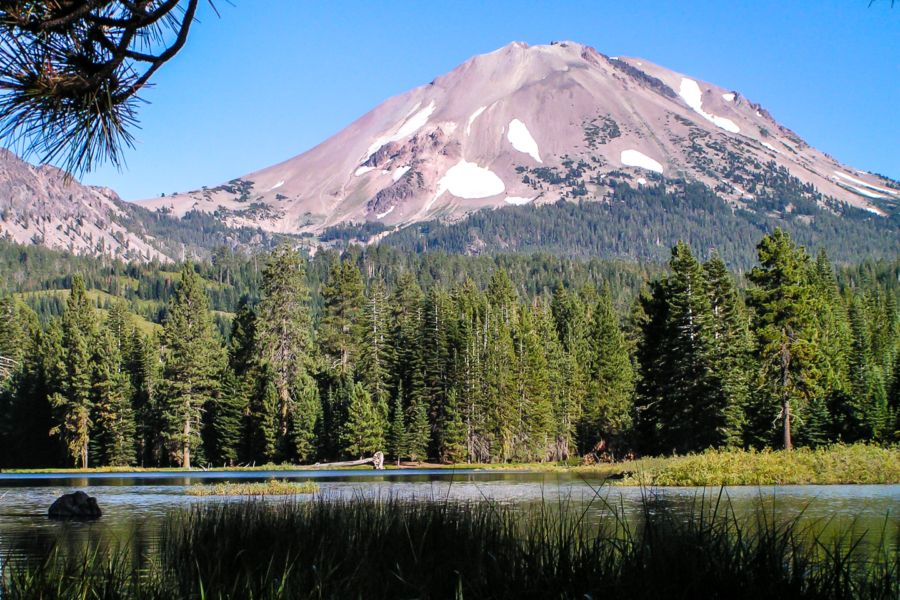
40	206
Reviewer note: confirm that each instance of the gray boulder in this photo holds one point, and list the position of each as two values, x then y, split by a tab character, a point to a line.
76	505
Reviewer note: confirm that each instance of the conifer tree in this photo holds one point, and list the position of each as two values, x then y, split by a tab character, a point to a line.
375	358
340	331
192	365
363	433
679	407
397	436
114	414
500	368
73	403
869	416
24	408
564	384
418	436
229	417
784	328
407	318
436	366
264	420
608	407
730	351
145	370
535	410
284	342
453	436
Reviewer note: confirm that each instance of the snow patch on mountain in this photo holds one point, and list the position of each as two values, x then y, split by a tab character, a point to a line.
728	97
771	147
469	181
404	128
385	213
277	185
633	158
472	118
400	172
521	140
863	183
693	97
867	193
363	170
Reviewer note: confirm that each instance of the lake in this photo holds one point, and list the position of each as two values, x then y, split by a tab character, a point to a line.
134	505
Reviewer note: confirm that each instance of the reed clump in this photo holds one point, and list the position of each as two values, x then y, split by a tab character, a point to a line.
388	548
832	465
272	487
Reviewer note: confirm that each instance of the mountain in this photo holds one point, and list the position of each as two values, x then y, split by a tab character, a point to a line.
41	206
533	125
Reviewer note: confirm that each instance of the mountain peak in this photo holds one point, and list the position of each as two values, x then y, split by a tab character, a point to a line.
531	124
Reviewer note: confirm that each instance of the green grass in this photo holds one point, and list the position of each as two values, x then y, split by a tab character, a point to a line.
271	488
838	464
387	548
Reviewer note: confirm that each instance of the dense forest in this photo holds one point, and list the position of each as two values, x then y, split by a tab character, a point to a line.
642	223
273	358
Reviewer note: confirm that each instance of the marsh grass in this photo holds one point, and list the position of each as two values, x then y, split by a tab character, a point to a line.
272	487
833	465
392	548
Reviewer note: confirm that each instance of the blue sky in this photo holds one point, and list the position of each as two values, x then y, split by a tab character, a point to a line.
273	78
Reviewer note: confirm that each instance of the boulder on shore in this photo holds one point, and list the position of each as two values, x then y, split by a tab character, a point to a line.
76	505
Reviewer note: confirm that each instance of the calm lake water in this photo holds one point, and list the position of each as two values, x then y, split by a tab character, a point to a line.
134	505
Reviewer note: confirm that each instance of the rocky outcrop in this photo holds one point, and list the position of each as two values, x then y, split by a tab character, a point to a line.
405	188
76	505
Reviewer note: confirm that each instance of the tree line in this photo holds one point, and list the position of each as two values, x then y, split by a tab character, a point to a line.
466	372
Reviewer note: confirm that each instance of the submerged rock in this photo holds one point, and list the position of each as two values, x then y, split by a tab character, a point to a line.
76	505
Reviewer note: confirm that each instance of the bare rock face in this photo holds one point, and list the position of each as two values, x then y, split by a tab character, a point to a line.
76	505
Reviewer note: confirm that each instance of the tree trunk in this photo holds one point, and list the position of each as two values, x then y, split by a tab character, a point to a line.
377	462
186	445
786	398
786	409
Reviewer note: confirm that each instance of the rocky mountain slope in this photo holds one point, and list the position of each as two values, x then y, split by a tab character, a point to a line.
40	206
526	125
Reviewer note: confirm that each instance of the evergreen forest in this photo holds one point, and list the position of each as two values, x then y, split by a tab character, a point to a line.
275	357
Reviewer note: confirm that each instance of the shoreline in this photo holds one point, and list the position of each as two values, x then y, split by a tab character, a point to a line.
858	464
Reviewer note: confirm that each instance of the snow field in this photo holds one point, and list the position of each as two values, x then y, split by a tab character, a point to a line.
400	172
863	183
362	171
380	216
728	97
469	181
633	158
521	140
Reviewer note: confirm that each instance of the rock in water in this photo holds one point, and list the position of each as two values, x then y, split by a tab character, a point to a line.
76	505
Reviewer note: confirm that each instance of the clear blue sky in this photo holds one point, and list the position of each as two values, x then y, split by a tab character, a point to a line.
273	78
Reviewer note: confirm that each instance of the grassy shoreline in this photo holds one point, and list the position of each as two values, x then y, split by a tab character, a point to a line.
834	465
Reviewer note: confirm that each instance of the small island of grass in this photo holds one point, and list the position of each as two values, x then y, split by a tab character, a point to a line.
270	488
